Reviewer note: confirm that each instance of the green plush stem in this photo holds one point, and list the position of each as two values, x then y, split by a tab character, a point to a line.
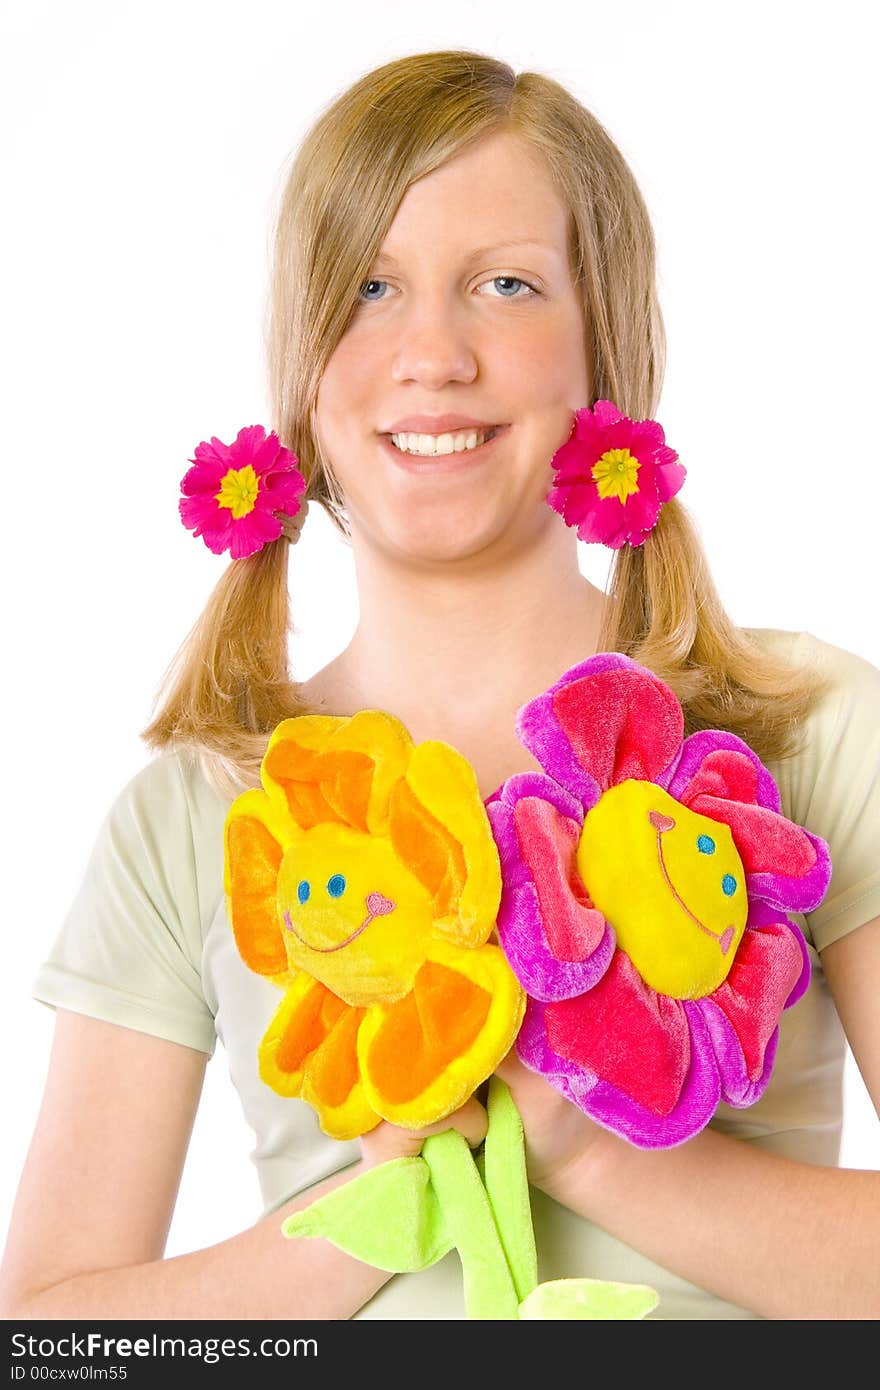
406	1214
503	1170
489	1289
507	1186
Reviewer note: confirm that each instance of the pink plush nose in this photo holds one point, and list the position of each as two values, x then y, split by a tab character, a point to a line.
378	905
659	821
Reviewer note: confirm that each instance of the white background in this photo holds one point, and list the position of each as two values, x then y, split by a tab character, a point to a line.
145	147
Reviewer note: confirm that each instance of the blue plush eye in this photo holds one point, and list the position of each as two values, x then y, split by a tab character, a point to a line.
728	885
706	845
336	886
303	891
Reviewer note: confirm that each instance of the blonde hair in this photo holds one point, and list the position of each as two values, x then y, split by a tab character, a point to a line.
229	683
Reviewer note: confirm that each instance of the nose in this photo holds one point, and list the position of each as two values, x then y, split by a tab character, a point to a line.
378	905
434	345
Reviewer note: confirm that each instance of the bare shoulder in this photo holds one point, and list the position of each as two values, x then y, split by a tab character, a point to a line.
103	1169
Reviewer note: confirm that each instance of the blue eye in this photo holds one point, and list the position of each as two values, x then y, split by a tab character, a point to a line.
728	885
513	280
706	845
336	886
366	285
303	891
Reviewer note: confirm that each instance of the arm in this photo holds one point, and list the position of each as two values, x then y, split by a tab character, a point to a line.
786	1239
97	1194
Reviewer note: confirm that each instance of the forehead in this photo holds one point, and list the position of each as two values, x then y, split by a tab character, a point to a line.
495	194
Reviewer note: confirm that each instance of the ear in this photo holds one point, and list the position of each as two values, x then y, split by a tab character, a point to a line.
252	859
324	768
440	830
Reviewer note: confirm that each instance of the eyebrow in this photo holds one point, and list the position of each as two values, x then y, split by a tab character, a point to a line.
480	250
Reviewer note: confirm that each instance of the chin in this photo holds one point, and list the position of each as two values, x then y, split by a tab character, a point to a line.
443	538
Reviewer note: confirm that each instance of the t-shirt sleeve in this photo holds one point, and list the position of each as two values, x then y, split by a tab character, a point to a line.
842	791
129	949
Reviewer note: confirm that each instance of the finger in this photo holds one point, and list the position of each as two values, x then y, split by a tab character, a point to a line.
388	1141
506	1068
470	1120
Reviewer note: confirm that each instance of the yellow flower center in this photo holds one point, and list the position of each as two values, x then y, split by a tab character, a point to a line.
238	490
616	474
670	882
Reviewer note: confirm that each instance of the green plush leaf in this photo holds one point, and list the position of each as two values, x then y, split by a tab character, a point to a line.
388	1217
600	1299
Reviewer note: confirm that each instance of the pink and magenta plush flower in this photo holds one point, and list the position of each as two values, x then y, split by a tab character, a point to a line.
232	492
612	476
646	884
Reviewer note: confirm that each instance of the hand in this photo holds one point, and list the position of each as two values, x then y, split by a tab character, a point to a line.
388	1140
557	1132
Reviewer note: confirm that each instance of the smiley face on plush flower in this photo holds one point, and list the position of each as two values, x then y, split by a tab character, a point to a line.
364	944
675	862
364	881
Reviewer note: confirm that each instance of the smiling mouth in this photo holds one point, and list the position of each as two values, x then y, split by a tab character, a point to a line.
377	906
326	950
661	823
454	455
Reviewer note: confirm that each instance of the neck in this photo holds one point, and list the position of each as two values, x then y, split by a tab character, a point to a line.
454	647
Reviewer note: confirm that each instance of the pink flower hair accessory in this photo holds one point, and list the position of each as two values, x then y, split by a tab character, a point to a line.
613	475
240	496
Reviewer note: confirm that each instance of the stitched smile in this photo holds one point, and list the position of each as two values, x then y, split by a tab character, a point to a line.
661	823
377	906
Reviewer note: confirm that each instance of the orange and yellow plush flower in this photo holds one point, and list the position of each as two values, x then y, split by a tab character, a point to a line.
364	880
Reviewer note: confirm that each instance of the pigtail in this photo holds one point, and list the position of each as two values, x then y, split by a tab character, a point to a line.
229	684
666	614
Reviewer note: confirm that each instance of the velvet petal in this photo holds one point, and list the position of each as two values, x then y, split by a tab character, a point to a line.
421	1056
719	776
691	767
607	1105
445	785
606	720
334	768
737	1087
616	1026
534	1051
548	845
693	1110
252	858
522	916
769	973
539	730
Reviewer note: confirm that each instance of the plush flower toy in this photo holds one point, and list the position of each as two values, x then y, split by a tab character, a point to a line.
647	880
363	880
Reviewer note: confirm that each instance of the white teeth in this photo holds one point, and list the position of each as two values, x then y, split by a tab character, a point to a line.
429	445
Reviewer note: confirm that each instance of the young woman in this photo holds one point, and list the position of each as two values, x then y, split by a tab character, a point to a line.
458	249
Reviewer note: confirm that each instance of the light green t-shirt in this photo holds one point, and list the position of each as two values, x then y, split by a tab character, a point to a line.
147	944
